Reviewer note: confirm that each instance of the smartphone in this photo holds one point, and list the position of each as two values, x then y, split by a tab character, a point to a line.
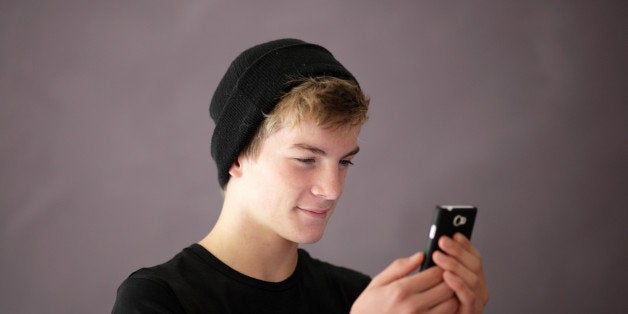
447	220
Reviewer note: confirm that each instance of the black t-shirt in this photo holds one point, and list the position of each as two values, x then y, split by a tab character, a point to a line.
195	281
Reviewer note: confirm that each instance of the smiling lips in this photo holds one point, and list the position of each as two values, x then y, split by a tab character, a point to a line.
319	213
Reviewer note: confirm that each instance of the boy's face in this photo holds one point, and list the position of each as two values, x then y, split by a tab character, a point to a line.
291	188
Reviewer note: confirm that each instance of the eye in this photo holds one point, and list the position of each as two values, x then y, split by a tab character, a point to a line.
346	163
306	160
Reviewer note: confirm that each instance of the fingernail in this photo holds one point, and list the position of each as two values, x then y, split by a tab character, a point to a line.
416	255
446	241
436	255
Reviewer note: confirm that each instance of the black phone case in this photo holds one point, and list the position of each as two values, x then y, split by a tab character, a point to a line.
447	220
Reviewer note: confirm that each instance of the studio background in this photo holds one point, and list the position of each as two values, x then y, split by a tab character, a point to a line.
518	107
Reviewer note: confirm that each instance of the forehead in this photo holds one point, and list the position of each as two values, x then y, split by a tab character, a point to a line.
309	133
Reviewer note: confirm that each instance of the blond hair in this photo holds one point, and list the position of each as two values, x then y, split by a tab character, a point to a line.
329	102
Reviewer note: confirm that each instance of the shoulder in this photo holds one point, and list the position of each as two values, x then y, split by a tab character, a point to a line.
144	291
157	288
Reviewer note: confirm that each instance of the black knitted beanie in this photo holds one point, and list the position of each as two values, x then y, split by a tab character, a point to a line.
253	85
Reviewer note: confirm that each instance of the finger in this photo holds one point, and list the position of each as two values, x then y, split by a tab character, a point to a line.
482	293
449	306
466	243
422	281
465	253
398	269
465	295
433	296
451	264
474	281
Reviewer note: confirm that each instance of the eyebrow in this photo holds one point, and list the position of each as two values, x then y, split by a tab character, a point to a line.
318	151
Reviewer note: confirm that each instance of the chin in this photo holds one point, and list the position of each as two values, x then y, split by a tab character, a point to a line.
309	238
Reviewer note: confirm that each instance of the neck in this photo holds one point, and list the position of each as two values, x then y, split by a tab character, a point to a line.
239	243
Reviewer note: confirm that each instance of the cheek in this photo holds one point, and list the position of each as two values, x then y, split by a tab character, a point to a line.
295	182
290	177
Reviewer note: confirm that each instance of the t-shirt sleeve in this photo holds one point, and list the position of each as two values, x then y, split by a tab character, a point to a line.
143	295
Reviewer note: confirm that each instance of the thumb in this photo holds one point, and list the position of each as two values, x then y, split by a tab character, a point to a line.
398	269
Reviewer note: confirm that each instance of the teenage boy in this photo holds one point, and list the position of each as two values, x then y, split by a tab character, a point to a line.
287	117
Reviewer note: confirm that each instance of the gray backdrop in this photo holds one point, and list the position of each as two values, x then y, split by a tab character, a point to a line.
518	107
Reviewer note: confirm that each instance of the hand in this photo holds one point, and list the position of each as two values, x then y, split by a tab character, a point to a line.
463	273
394	290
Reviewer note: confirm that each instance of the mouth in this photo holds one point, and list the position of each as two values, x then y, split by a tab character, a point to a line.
318	213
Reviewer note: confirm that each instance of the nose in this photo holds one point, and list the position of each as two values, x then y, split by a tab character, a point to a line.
329	184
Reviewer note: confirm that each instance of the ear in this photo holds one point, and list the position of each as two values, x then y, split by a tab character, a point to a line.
236	168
